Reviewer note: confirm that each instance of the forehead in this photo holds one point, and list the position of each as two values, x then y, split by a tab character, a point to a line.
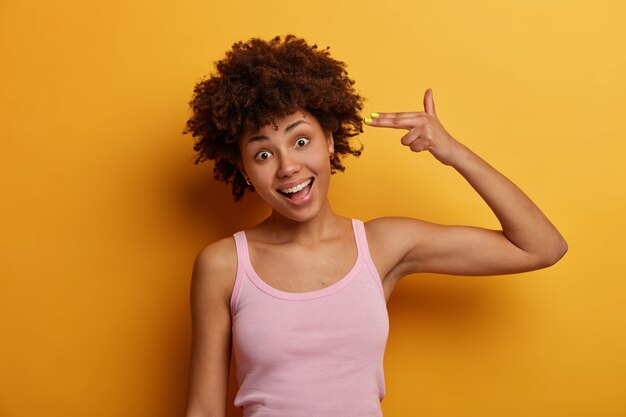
281	125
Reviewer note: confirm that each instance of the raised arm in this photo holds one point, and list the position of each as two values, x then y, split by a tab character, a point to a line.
527	241
213	274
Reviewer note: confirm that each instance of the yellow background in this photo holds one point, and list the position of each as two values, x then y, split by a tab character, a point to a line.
103	210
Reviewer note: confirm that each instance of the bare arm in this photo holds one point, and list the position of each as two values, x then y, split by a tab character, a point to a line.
527	241
213	274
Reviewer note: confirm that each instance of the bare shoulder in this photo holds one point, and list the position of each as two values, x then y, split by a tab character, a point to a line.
390	230
390	239
214	271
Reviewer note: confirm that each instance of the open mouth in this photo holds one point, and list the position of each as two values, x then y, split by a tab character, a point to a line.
300	191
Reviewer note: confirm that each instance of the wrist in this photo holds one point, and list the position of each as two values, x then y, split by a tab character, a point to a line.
461	156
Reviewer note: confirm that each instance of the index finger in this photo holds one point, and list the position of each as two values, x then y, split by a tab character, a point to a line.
399	114
392	120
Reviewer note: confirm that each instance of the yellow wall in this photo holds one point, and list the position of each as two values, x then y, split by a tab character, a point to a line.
103	210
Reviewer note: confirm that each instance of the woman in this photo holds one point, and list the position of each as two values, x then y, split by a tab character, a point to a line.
303	293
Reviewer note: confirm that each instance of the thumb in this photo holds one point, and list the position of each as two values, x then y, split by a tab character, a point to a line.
429	104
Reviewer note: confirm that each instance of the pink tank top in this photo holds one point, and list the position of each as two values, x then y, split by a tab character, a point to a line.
310	354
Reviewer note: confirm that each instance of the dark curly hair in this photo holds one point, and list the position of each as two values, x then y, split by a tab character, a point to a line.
259	81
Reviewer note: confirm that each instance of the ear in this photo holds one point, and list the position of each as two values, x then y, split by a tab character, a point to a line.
331	143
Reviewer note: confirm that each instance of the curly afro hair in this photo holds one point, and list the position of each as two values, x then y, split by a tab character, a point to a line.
259	81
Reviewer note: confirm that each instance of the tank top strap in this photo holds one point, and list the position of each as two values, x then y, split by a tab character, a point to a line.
364	252
243	260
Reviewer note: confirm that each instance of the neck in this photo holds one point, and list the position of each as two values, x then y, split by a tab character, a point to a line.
309	232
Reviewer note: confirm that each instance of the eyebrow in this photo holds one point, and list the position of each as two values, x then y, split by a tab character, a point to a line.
287	130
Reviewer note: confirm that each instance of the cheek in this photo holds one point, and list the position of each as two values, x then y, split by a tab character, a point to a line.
261	175
325	162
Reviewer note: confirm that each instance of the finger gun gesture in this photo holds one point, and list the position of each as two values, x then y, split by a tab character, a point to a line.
425	131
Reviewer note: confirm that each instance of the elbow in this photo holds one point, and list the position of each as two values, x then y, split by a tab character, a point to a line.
554	253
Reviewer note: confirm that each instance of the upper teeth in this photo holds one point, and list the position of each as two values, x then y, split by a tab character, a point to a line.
297	187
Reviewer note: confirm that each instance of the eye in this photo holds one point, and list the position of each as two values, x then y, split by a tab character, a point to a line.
302	141
262	156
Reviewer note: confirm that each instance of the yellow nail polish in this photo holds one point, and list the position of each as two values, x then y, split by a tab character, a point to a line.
375	115
367	120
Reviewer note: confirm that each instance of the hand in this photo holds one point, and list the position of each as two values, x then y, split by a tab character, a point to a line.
425	131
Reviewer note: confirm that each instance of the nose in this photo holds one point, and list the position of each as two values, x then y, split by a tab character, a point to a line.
288	165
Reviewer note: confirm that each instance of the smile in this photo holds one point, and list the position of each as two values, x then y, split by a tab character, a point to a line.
296	188
298	194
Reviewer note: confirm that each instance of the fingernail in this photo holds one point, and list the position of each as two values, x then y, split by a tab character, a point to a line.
375	115
367	120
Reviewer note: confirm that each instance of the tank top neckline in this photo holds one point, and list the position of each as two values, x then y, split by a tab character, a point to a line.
306	295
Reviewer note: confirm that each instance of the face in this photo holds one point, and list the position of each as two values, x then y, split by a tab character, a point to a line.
289	167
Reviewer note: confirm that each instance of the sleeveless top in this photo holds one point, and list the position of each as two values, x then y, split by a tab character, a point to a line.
310	354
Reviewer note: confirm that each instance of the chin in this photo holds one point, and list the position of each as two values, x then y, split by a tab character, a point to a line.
298	214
